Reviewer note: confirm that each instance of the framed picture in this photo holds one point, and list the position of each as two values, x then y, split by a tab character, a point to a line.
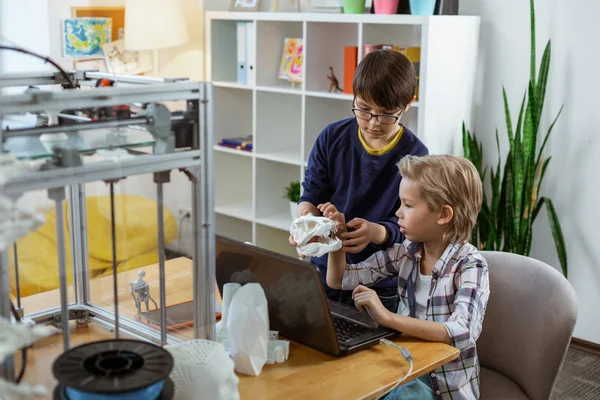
84	37
244	5
291	66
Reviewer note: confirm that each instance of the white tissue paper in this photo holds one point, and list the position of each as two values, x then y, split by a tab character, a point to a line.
307	227
248	329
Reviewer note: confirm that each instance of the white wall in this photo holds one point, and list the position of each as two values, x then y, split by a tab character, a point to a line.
17	18
571	180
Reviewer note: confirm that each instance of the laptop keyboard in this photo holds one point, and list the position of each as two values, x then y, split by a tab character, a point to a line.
348	330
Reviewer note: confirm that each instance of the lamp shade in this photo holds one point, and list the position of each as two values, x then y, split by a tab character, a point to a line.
154	24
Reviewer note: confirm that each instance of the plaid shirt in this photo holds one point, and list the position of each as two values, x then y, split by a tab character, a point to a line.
457	298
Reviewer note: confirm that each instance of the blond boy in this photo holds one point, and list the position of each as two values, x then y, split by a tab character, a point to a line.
443	281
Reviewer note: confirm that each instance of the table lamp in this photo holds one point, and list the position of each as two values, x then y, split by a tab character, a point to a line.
154	25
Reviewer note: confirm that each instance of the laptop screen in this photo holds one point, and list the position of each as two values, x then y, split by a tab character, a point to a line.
293	288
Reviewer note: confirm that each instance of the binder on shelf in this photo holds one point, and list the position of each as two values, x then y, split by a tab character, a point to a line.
242	75
350	63
251	53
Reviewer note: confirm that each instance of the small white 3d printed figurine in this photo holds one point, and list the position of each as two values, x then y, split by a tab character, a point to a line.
140	290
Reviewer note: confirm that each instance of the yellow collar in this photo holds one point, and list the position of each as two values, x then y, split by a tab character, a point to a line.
384	149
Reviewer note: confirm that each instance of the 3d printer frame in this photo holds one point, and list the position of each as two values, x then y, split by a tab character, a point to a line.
64	176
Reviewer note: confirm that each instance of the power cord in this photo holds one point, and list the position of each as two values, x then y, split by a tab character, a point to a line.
46	59
23	350
407	356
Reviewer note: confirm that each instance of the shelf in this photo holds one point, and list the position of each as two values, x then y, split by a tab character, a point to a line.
325	44
223	58
399	19
285	156
278	123
233	185
288	89
241	211
281	221
229	150
329	95
233	228
232	85
285	120
269	49
271	180
233	113
394	34
274	239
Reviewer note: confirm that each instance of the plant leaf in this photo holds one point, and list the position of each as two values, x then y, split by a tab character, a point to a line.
508	121
540	87
548	134
519	170
532	30
559	240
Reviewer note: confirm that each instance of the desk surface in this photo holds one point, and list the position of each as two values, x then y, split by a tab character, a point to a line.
307	374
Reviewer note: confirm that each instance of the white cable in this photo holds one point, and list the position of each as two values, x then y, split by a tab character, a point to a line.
407	356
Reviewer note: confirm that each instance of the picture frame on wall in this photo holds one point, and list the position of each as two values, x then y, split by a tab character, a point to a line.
244	5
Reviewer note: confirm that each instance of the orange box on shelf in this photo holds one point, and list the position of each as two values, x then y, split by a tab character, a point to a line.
350	62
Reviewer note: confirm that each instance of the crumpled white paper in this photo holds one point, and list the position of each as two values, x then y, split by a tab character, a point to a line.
248	329
12	338
307	227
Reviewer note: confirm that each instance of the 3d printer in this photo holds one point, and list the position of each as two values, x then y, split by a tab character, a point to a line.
94	111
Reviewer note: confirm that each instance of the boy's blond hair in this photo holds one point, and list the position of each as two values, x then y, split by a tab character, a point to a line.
447	180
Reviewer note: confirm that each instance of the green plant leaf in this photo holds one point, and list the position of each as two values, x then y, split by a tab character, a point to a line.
559	240
538	185
518	172
532	38
548	134
540	87
292	191
465	142
508	207
509	130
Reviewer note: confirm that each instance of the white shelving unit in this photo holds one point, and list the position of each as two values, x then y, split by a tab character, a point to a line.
286	120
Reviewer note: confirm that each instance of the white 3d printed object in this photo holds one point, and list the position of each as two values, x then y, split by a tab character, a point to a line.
203	369
248	328
308	226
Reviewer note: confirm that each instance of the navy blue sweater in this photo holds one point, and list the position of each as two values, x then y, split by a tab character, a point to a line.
359	184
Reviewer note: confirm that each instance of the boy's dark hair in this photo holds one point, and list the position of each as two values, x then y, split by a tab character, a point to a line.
386	78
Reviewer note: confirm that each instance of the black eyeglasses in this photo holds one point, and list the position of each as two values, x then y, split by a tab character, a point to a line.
382	118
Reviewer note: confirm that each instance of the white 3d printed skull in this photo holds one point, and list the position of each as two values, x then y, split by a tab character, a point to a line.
308	226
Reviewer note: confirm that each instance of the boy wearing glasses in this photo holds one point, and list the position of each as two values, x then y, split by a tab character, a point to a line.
353	165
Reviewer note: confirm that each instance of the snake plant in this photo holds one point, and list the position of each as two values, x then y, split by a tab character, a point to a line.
506	220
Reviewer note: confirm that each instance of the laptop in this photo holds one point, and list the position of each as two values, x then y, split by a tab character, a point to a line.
298	307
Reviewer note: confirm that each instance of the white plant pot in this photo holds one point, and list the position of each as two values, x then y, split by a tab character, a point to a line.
293	210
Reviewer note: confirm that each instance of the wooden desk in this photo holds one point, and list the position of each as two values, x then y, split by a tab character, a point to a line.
307	374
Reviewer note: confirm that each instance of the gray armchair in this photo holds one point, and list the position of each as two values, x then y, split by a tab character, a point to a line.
527	328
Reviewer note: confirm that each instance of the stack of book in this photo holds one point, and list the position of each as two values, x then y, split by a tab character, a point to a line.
239	143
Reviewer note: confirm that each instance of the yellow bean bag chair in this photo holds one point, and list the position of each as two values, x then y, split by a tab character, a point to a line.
137	242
